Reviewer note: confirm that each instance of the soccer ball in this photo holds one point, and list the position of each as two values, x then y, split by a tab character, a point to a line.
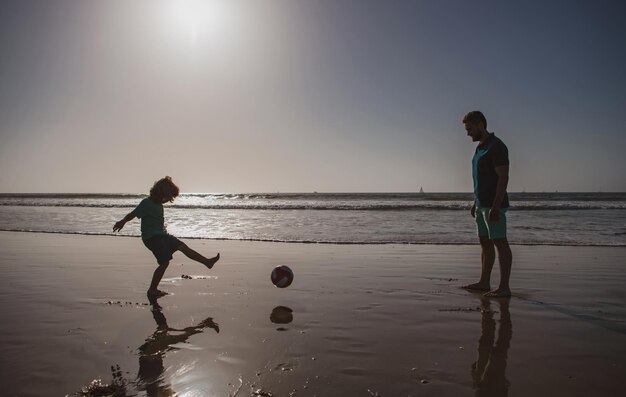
282	276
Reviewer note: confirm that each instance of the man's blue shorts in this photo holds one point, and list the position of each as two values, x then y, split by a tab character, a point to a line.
163	247
492	230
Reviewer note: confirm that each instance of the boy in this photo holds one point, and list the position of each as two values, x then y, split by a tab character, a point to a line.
154	235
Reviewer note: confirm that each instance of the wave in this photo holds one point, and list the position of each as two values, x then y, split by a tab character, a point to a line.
425	206
71	195
329	242
516	196
325	201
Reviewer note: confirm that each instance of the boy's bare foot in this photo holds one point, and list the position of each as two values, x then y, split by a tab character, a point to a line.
477	287
211	261
499	293
156	292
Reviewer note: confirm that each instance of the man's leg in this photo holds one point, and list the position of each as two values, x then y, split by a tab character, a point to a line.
191	254
156	279
487	259
505	257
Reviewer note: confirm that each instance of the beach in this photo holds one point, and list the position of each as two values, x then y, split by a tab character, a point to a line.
358	320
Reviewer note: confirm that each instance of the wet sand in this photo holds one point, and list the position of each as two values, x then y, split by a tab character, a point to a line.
367	320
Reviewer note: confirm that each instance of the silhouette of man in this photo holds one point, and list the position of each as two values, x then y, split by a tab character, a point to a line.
490	170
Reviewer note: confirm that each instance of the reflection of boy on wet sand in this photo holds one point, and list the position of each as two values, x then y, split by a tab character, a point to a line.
489	370
153	351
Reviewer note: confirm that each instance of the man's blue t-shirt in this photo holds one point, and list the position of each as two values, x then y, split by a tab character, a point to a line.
489	155
152	220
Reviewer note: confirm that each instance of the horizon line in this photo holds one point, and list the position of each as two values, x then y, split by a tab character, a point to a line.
313	192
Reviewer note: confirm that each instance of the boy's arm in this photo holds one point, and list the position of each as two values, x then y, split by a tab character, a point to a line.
120	224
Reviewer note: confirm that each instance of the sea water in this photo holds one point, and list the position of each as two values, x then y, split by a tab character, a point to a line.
579	219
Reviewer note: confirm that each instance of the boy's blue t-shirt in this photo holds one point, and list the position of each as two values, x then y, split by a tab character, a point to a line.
152	220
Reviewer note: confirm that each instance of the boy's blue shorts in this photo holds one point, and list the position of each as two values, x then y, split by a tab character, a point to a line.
493	230
163	247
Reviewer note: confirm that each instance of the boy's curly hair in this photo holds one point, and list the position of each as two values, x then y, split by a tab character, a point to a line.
164	188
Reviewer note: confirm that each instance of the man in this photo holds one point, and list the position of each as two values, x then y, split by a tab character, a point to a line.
490	169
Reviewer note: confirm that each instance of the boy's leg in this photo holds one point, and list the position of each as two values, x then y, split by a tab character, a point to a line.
156	279
191	254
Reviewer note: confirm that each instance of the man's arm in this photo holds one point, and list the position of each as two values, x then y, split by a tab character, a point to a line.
503	180
119	225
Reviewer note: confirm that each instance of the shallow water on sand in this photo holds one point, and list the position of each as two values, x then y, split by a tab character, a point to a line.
358	320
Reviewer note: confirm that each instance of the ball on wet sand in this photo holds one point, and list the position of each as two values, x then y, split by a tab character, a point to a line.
282	276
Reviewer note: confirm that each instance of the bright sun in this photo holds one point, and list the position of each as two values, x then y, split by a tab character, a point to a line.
198	20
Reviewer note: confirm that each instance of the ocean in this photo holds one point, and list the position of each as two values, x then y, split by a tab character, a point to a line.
576	219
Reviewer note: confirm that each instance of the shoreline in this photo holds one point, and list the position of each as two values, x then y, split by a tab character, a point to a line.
358	319
433	243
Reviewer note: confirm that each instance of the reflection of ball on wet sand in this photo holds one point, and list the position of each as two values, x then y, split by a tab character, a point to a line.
282	276
281	315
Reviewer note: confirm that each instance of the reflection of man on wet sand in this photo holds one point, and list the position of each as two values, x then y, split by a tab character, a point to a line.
157	345
489	370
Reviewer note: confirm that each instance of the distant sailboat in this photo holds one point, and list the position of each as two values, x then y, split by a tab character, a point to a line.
421	190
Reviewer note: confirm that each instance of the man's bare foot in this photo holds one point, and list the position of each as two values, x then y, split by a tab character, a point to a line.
156	292
477	287
211	261
499	293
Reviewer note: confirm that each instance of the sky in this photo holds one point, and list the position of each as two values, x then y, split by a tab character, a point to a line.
305	95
